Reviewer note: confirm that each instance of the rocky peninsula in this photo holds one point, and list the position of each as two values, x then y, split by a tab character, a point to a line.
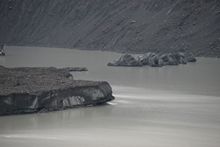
42	89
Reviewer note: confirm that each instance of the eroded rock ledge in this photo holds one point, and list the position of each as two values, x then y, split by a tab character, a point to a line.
30	90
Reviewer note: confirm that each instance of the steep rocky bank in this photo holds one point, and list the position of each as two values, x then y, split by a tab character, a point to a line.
29	90
136	26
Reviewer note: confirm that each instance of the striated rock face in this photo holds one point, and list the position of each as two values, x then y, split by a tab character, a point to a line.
29	90
135	26
154	60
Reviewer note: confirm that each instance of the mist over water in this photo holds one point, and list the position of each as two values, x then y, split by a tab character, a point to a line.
172	106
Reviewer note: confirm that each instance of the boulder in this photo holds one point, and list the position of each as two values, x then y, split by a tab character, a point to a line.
2	53
31	90
180	57
125	60
190	57
168	59
144	59
153	60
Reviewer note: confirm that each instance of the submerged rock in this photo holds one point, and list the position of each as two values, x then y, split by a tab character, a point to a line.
29	90
125	60
172	59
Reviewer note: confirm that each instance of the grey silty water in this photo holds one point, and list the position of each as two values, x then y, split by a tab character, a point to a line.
172	106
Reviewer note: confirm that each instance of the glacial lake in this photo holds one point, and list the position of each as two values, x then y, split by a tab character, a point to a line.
172	106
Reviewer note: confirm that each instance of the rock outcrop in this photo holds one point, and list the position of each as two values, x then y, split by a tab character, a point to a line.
72	69
125	60
173	59
2	53
154	60
30	90
190	57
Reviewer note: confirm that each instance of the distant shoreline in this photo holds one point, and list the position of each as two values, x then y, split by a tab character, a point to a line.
86	49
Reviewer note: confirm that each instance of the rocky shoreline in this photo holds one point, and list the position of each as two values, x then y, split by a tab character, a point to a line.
31	90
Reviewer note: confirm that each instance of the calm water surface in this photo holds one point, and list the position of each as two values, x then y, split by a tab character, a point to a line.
172	106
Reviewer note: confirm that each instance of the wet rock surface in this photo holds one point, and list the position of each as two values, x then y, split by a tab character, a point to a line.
30	90
154	60
125	60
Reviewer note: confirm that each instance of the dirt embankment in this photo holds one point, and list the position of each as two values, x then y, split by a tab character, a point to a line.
118	25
